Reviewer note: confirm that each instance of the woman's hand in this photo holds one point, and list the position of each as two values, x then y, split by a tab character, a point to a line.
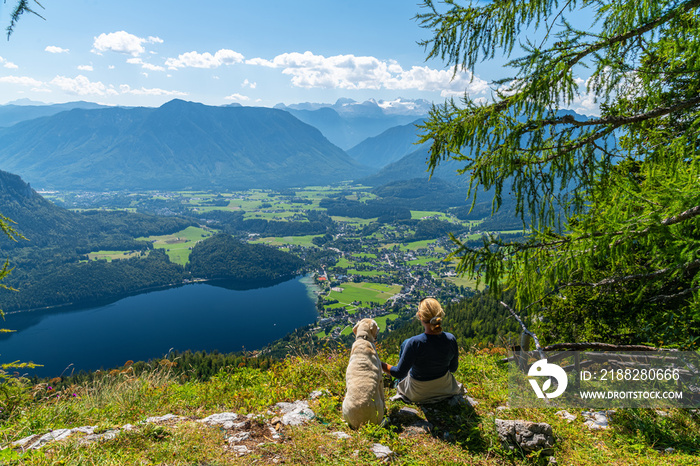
386	368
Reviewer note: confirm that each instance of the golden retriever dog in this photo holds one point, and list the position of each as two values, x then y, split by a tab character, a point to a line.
364	396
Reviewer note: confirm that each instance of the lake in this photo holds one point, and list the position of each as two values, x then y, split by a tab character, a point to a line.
222	315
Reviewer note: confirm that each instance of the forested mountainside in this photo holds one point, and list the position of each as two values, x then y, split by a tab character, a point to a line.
175	146
348	123
389	146
51	266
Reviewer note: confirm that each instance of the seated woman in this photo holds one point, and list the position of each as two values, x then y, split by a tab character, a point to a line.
427	361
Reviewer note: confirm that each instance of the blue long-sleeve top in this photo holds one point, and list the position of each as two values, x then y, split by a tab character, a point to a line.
428	357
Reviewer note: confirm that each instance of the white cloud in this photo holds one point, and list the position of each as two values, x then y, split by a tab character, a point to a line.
8	64
126	89
249	84
237	97
584	102
151	67
445	81
154	40
352	72
55	49
144	65
85	68
80	85
260	62
204	60
21	80
122	42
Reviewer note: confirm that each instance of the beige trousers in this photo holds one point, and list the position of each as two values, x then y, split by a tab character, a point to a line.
418	391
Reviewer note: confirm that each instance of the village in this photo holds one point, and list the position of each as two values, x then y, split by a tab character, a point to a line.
383	279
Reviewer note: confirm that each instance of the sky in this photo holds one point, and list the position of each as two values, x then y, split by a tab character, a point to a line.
257	53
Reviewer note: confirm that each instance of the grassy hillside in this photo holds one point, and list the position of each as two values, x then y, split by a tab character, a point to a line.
459	435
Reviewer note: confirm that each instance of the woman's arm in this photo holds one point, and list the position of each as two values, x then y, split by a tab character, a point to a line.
454	363
408	356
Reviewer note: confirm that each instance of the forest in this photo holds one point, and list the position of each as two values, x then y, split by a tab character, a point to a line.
60	283
222	256
316	223
477	321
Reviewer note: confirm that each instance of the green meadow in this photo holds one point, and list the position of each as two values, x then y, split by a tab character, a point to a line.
178	245
113	255
419	214
382	320
416	245
354	220
286	240
364	292
347	330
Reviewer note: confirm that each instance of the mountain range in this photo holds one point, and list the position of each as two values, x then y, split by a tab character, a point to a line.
181	145
388	147
347	123
22	110
176	146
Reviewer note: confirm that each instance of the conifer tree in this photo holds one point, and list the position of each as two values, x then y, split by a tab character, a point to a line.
612	201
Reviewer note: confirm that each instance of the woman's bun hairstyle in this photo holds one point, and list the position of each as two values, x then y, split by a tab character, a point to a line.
430	311
436	321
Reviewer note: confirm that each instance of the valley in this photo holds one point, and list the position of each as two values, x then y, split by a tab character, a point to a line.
134	200
361	267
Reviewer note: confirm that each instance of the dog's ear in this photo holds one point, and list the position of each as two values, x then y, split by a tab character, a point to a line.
374	328
354	329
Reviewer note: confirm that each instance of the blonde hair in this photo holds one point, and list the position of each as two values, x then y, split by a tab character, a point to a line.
430	311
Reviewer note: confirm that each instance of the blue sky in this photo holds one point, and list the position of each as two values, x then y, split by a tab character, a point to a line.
148	52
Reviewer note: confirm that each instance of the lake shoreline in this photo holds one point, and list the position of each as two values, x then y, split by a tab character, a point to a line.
213	317
109	300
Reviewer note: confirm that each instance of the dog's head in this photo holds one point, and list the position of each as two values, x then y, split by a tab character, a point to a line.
366	328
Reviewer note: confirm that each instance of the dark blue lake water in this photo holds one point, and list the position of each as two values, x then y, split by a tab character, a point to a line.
202	316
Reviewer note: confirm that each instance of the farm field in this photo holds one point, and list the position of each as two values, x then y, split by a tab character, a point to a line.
423	260
286	240
354	220
382	320
364	292
178	245
114	255
419	214
416	245
466	282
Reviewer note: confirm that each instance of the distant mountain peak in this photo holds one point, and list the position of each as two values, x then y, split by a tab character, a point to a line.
343	101
406	106
350	107
179	102
26	101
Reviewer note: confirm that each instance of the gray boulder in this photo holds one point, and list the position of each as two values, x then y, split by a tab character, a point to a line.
525	435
